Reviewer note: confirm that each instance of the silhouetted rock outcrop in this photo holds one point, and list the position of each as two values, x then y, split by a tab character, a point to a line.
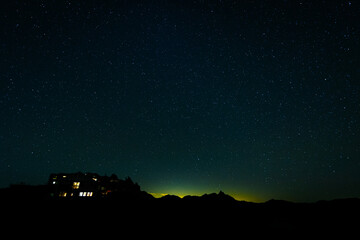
221	196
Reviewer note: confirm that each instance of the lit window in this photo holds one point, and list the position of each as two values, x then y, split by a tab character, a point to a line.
85	194
76	185
62	194
95	179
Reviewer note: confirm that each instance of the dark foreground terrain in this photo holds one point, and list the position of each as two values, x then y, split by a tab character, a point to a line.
32	208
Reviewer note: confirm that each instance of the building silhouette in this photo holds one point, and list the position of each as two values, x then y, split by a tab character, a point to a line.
88	185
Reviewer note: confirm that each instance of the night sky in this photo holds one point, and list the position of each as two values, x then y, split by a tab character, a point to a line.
259	99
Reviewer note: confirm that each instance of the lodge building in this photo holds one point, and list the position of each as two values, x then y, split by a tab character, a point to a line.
87	185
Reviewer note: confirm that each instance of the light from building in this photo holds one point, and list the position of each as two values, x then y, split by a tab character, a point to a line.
85	194
76	185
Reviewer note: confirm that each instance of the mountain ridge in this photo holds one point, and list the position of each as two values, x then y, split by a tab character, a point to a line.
212	210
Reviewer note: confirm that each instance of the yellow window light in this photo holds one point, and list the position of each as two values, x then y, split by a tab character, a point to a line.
76	185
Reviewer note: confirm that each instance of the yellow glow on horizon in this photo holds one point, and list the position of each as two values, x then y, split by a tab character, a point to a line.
159	195
237	197
238	193
240	197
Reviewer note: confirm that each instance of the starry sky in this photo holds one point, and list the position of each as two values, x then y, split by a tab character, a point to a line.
259	99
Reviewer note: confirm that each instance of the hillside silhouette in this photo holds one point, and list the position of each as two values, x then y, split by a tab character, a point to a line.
69	195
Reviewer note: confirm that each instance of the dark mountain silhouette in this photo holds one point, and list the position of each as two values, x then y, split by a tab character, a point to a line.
94	198
170	198
221	196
